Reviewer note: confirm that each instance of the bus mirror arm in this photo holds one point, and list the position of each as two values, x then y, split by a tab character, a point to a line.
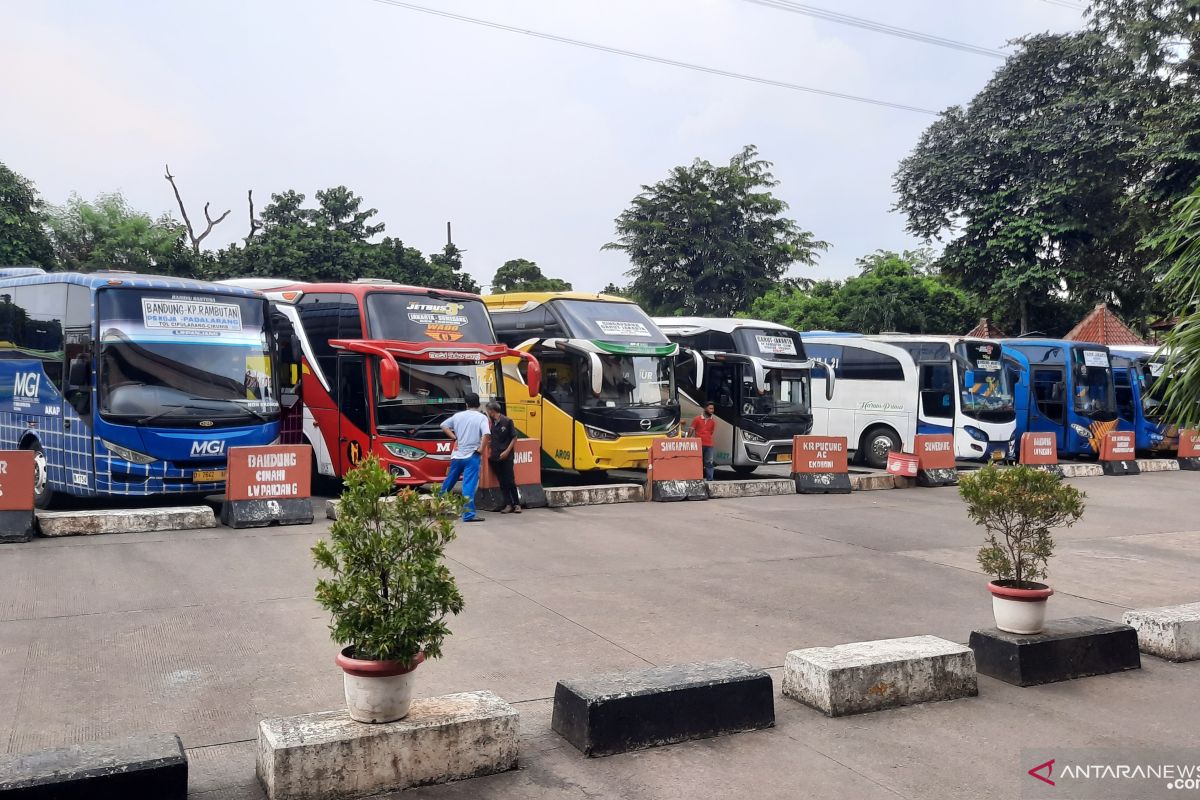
698	361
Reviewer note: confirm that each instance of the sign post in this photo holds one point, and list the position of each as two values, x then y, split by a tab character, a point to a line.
676	470
1040	451
268	485
1189	449
935	460
16	495
820	464
527	474
1118	454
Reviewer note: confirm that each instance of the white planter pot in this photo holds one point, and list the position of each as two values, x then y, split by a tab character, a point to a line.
378	691
1019	610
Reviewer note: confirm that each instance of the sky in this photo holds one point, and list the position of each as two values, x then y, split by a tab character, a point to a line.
529	147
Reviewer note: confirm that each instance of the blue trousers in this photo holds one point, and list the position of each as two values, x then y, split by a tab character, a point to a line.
468	470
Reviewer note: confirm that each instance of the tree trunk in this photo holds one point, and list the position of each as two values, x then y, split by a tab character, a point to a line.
1024	316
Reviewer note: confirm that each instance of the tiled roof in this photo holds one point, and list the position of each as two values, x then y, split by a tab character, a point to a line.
986	330
1102	326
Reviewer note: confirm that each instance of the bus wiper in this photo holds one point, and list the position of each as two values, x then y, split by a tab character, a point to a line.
158	415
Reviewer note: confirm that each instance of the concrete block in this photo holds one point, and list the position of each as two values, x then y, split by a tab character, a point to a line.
125	520
1158	465
870	676
615	713
261	513
1120	467
117	769
670	491
1189	463
751	488
1076	647
867	483
1081	470
1172	632
563	496
822	482
16	526
328	756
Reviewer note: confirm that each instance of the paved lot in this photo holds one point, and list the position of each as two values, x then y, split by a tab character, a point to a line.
206	632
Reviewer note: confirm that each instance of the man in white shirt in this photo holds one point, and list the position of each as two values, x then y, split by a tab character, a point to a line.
470	431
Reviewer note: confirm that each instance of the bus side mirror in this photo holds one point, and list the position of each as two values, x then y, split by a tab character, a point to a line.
79	373
389	378
533	375
830	380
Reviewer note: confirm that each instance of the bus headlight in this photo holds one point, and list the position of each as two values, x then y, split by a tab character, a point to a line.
125	454
975	433
1081	431
752	437
599	433
404	451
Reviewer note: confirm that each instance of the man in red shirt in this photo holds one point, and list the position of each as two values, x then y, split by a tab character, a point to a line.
703	426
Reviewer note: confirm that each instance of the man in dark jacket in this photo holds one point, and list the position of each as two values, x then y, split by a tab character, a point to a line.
500	457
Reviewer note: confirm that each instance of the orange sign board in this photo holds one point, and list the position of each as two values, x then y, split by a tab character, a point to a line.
1039	448
16	480
1118	446
676	460
1189	443
819	454
270	472
902	464
527	466
935	451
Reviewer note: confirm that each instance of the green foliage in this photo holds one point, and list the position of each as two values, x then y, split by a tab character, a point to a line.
1018	507
710	239
389	592
893	292
108	234
1180	243
23	239
521	275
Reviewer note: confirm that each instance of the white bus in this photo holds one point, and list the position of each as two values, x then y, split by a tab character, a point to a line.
756	374
892	387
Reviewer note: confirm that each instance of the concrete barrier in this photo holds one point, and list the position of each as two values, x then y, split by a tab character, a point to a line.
676	470
527	475
1189	449
935	459
328	756
16	496
1076	647
820	465
1158	465
615	713
125	520
1172	632
1040	451
564	496
268	485
1118	455
871	676
751	488
118	769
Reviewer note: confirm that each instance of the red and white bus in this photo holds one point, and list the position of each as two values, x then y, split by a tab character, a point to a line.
384	365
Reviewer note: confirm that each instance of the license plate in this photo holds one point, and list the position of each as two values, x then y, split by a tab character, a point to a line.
782	459
997	455
208	475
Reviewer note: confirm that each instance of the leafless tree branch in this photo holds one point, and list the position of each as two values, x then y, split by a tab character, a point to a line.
187	222
255	224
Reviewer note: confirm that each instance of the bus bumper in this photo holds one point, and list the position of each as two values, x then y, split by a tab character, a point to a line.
117	477
628	452
416	473
773	452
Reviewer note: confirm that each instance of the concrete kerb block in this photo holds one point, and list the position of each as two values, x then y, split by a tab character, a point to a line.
871	676
671	491
1171	632
866	483
1158	465
566	496
619	712
126	520
116	769
1081	470
1069	648
262	513
764	487
328	756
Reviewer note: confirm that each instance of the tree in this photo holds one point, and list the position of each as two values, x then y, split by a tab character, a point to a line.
211	223
710	239
521	275
108	234
1034	184
1180	243
450	267
23	237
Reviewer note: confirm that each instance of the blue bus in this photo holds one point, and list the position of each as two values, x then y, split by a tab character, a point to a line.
1065	388
127	384
1140	381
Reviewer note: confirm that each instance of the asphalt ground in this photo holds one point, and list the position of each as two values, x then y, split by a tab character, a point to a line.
206	632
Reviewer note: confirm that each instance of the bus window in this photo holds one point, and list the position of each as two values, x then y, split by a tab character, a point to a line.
937	390
1093	382
78	347
1048	390
1124	394
719	385
858	363
558	380
352	386
325	317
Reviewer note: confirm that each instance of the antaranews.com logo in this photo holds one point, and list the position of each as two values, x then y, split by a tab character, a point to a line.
1109	774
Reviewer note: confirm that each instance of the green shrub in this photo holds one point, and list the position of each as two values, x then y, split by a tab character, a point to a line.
389	592
1018	507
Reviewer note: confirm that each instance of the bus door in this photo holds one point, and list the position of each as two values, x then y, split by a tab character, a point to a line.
354	403
551	415
1048	402
935	407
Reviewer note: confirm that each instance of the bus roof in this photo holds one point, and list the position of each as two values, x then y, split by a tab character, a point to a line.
358	288
1064	343
136	280
688	325
515	301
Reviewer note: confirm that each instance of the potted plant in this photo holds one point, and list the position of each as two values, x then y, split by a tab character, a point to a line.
388	592
1018	507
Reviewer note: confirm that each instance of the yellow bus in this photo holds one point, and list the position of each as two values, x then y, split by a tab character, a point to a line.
608	377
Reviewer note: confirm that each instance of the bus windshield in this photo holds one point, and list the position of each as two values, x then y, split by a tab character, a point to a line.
1093	382
176	358
608	322
419	318
633	381
429	393
1154	385
984	388
786	395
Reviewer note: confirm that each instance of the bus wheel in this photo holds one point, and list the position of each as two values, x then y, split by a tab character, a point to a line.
42	495
877	442
745	469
